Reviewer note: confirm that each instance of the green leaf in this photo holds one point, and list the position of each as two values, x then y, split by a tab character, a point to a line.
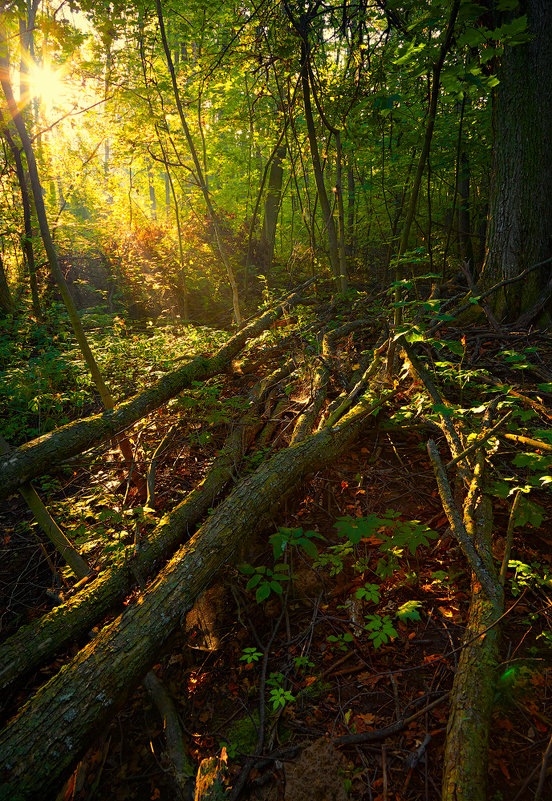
409	611
454	346
309	547
263	592
529	513
253	581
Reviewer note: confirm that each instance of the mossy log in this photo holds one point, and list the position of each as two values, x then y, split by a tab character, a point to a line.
57	725
466	752
33	644
39	456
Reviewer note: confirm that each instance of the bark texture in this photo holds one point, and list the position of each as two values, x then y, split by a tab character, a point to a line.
39	456
466	753
519	231
54	729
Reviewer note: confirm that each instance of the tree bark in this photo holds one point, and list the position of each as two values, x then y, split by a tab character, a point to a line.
39	456
6	303
272	207
466	753
27	239
519	231
55	728
327	211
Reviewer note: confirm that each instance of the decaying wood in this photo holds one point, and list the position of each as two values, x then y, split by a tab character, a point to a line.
466	751
38	457
33	644
56	726
181	768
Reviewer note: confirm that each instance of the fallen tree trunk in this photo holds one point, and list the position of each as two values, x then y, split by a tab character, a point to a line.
472	697
39	456
32	645
55	728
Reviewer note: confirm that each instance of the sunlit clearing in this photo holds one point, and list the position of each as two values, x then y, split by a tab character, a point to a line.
47	83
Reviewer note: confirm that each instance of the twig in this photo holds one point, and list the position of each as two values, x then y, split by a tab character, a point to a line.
483	438
150	476
490	291
457	525
543	771
449	431
250	762
532	443
387	731
509	538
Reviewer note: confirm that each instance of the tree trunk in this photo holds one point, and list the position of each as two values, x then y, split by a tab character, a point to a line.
39	456
466	753
327	211
200	175
272	206
6	303
464	216
519	231
27	239
55	728
350	240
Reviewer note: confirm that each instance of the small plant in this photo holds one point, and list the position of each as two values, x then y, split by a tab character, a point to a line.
250	655
302	663
342	641
381	629
370	592
279	696
409	611
294	538
265	579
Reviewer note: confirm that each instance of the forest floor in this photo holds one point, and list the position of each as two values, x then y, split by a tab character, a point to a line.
323	675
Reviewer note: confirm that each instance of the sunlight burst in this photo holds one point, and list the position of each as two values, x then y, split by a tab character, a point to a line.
47	83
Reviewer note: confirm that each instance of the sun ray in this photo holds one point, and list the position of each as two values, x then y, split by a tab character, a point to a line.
47	83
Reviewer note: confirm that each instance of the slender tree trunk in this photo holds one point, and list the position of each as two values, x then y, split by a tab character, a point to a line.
351	204
43	223
327	211
6	303
199	171
152	196
464	216
519	231
340	213
272	206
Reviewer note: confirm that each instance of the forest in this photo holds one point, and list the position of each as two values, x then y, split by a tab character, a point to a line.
275	400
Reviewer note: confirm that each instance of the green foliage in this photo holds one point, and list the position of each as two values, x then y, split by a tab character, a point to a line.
279	696
250	655
529	576
265	579
381	629
342	641
289	538
369	592
409	611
